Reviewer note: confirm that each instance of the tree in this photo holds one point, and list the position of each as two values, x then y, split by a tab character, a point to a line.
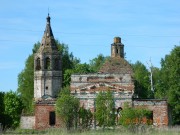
159	85
169	82
85	118
2	107
12	111
1	103
141	80
78	68
26	82
67	107
105	109
82	68
97	62
26	85
67	77
68	59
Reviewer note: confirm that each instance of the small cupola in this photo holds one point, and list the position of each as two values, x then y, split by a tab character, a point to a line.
117	48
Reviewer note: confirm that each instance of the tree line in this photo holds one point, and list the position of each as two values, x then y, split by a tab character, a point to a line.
166	80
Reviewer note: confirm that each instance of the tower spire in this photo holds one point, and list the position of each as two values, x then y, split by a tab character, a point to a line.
48	18
48	43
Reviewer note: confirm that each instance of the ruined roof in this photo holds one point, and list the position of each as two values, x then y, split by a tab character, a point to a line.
45	101
48	43
116	65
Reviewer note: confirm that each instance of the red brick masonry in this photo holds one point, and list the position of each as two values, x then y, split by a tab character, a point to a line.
161	113
42	116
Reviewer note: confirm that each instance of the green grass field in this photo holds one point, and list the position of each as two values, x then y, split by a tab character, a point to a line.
120	131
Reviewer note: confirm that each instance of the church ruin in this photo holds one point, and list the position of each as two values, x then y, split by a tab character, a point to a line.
115	75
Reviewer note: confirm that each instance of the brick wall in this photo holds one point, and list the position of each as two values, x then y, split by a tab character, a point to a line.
159	108
42	116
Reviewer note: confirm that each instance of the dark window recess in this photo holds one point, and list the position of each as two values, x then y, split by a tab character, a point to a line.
38	64
117	51
56	64
52	118
47	63
150	116
46	88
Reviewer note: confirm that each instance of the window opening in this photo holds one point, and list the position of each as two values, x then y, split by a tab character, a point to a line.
52	118
56	64
38	64
116	50
150	117
47	63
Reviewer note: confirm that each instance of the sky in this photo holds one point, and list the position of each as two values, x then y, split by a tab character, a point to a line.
148	29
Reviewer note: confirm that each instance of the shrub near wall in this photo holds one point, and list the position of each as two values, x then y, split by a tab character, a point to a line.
132	116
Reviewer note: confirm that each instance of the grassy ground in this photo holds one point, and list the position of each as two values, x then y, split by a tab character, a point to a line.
120	131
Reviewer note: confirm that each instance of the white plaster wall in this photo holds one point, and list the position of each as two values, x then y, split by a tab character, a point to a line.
27	122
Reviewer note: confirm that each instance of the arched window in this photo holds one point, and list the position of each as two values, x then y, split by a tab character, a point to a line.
38	64
117	51
56	63
47	63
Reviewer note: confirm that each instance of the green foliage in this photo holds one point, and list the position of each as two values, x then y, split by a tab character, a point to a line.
105	112
169	82
12	109
26	84
68	63
2	108
1	102
130	116
97	62
67	77
82	68
85	118
68	60
78	68
157	83
67	108
141	81
119	131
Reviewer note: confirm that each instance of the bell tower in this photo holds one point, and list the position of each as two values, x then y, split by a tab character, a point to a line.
47	66
117	48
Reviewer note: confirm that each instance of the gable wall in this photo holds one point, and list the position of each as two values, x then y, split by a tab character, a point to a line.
87	86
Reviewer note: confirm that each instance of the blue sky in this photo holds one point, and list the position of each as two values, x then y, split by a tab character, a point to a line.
149	29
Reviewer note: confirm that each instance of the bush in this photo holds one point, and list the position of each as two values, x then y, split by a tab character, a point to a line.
131	116
85	119
67	107
105	112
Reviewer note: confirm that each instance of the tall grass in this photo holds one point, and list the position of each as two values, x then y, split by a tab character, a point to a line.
117	131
